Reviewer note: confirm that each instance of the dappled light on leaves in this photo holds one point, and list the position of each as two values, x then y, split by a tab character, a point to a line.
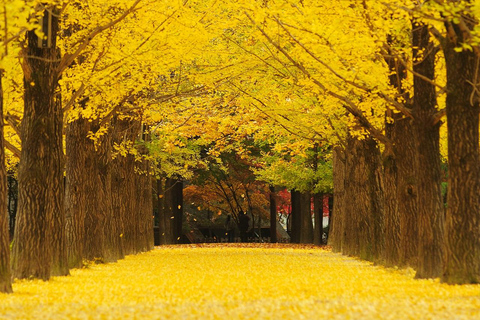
239	281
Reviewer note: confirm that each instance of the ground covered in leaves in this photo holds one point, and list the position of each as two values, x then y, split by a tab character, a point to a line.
239	282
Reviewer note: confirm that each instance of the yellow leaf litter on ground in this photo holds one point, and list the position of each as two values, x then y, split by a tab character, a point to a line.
239	282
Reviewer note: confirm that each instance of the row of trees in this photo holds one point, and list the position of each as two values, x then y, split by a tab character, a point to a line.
94	202
310	82
391	89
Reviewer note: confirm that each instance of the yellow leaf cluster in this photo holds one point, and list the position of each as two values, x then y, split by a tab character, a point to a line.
239	282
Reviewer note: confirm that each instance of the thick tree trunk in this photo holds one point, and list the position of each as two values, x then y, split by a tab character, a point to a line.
5	273
39	241
430	210
95	217
401	234
75	190
123	183
273	215
102	174
364	220
336	221
463	212
405	153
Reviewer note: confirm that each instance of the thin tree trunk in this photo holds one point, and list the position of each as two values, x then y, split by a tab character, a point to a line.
463	197
145	208
145	240
306	223
173	209
295	216
38	241
5	273
318	216
336	221
172	215
273	216
162	226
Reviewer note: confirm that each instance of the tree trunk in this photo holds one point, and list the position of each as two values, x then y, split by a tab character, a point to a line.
318	214
364	224
173	210
463	211
336	221
145	207
163	228
123	182
430	210
273	216
401	234
306	224
102	174
5	273
167	212
295	217
75	190
39	241
145	239
12	187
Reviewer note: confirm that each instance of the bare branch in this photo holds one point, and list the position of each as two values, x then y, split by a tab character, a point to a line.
16	152
74	97
14	122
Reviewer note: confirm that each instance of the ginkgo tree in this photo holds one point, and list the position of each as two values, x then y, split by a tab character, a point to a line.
206	75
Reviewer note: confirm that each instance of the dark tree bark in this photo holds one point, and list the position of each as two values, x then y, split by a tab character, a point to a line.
401	234
102	174
123	184
302	226
273	215
12	187
336	221
163	223
168	213
406	194
430	210
306	224
318	214
5	272
39	242
173	210
145	239
75	190
364	219
463	211
295	216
